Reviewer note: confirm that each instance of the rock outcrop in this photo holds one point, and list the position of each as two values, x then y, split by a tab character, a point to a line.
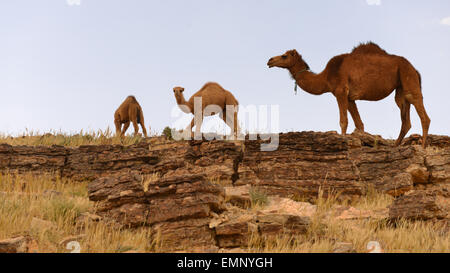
190	213
178	208
21	244
303	163
199	190
433	203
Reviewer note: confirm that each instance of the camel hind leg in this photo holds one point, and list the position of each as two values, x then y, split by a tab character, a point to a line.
136	127
404	106
230	118
133	113
142	123
144	130
412	90
353	109
425	120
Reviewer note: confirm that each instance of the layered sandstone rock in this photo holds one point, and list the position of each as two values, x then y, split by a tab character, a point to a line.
303	163
32	159
433	203
21	244
306	162
189	212
186	204
178	208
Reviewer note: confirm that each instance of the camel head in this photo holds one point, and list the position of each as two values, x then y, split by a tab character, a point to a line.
288	60
178	91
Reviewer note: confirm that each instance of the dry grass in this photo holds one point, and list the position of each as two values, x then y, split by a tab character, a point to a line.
216	180
259	198
23	197
100	137
324	232
149	179
406	237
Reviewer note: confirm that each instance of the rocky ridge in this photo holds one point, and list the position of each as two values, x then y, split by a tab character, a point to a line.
195	193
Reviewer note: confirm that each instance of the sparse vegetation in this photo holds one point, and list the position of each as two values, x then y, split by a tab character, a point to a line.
167	132
61	201
258	197
218	181
148	179
409	237
324	232
100	137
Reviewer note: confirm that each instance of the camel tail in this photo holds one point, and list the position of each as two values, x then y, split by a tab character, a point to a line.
139	116
410	77
420	79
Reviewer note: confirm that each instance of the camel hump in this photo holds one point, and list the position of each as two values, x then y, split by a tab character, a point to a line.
131	98
369	48
212	85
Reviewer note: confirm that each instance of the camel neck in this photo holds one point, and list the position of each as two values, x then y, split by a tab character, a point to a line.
310	82
182	101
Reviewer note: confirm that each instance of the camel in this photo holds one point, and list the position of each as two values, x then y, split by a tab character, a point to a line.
367	73
129	111
211	94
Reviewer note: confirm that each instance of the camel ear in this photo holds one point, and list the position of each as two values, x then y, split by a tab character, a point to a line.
294	53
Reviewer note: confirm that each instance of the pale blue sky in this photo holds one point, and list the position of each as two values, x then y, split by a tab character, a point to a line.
68	67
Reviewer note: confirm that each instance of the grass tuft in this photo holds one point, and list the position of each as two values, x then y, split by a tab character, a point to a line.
258	197
100	137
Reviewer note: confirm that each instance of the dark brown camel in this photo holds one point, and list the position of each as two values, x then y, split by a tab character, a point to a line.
367	73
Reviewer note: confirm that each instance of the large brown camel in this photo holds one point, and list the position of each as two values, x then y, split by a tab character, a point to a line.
211	94
367	73
129	111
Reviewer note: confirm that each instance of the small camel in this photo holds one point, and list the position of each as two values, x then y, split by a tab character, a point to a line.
211	94
367	73
129	111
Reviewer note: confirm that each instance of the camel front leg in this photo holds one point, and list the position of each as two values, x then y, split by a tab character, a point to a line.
118	125
342	100
355	115
125	128
198	126
188	130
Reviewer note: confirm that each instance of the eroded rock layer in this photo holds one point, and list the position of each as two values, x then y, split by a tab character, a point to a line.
303	163
194	195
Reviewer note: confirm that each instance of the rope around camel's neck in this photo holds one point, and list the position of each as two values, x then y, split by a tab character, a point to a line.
295	78
311	83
